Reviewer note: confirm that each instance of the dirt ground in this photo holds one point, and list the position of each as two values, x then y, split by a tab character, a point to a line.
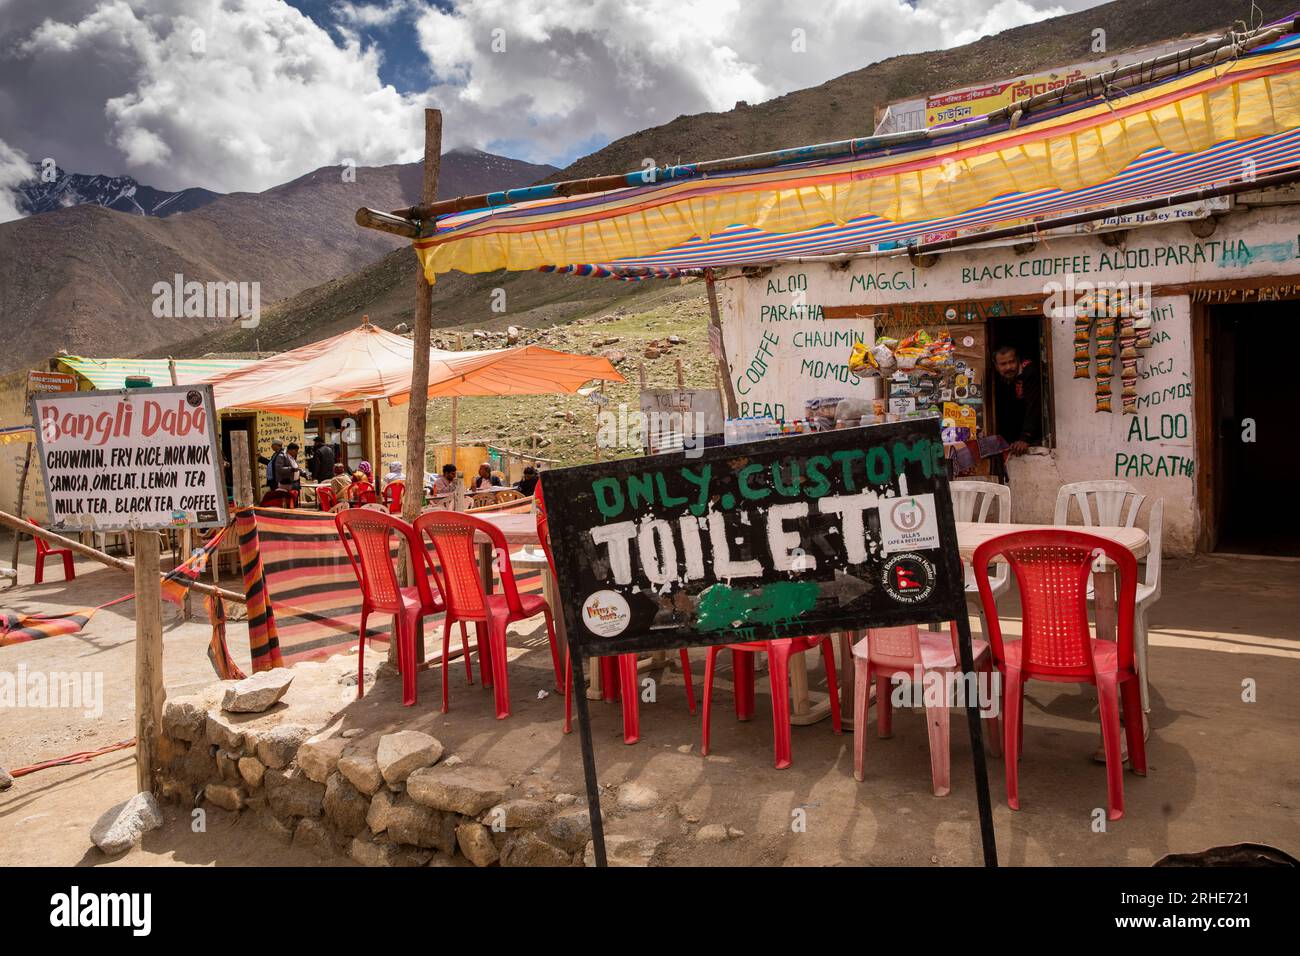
1222	770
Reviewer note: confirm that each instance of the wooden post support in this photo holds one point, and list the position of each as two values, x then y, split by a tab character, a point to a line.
455	442
186	535
149	690
22	491
241	468
681	376
715	321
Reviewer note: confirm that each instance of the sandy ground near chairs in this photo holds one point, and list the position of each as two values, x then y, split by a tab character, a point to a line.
1223	767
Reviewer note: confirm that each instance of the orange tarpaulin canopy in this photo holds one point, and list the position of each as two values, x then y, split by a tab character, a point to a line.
367	363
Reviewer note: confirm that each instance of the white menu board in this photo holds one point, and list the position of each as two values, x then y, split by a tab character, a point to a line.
132	459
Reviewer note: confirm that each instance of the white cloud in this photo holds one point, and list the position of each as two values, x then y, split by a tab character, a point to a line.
246	94
15	169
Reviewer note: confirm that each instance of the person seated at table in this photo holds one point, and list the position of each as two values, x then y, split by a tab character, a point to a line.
341	481
445	483
486	481
394	474
528	483
361	490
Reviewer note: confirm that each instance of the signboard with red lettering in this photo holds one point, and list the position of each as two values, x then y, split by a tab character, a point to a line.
134	459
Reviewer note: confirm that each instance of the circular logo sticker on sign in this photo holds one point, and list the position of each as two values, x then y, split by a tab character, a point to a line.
606	613
907	514
908	578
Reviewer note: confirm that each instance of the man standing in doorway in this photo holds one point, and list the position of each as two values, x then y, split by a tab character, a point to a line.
1017	394
322	461
272	463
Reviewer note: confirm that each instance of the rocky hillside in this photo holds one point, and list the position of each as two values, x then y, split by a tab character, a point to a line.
119	193
82	278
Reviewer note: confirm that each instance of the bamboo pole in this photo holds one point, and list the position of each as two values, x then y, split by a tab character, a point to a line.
22	491
120	564
149	690
715	322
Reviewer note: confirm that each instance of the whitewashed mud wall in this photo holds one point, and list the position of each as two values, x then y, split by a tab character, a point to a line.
782	352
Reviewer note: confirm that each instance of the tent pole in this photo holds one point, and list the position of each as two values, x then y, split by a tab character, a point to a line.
417	411
715	328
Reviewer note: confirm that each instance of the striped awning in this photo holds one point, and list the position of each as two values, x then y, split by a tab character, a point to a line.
111	373
1211	126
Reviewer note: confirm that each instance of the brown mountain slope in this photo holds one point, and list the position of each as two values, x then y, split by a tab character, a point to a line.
82	278
845	106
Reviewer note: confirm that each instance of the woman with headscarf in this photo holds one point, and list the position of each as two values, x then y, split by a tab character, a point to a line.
394	474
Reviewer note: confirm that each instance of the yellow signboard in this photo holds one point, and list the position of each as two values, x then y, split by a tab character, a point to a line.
966	104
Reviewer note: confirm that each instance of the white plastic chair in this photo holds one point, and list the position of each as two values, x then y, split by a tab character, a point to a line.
1110	503
973	501
1116	504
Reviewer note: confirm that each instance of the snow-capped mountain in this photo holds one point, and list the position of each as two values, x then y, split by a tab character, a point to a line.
121	193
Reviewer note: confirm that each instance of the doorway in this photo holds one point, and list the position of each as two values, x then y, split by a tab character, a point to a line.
248	425
1256	460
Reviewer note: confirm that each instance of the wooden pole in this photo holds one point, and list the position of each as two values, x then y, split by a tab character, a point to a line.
715	321
149	690
120	564
681	377
241	468
22	491
186	536
377	436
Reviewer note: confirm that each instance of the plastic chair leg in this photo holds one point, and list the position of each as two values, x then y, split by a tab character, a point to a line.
361	656
69	573
992	732
446	649
1011	735
884	705
861	700
555	646
40	569
1140	653
501	687
710	665
568	691
742	669
464	652
1131	697
609	680
404	625
778	666
832	688
936	720
484	653
686	676
627	675
1108	696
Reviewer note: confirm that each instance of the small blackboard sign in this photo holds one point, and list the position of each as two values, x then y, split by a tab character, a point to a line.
810	534
806	534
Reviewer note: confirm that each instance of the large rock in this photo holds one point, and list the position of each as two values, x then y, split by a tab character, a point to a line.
361	768
251	771
406	821
386	854
276	747
529	849
623	851
198	766
185	718
476	843
571	830
121	827
318	757
222	731
262	691
344	805
466	790
517	813
293	794
405	751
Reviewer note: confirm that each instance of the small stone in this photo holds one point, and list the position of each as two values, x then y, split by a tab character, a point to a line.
318	757
517	813
623	851
122	826
276	747
685	748
454	760
529	849
222	732
293	794
6	779
228	766
512	334
352	732
361	768
224	796
571	830
251	771
652	353
636	796
476	843
344	805
314	835
734	834
258	693
711	833
401	328
275	828
373	854
466	790
184	718
567	799
405	751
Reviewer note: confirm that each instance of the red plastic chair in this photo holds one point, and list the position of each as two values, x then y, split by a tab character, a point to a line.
366	536
393	496
908	653
1052	569
325	499
276	498
44	552
627	663
778	653
452	534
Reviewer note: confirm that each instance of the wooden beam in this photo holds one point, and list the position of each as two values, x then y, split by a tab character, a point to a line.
149	690
715	321
241	468
387	222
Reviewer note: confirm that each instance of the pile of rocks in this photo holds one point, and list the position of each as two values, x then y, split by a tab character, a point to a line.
382	798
